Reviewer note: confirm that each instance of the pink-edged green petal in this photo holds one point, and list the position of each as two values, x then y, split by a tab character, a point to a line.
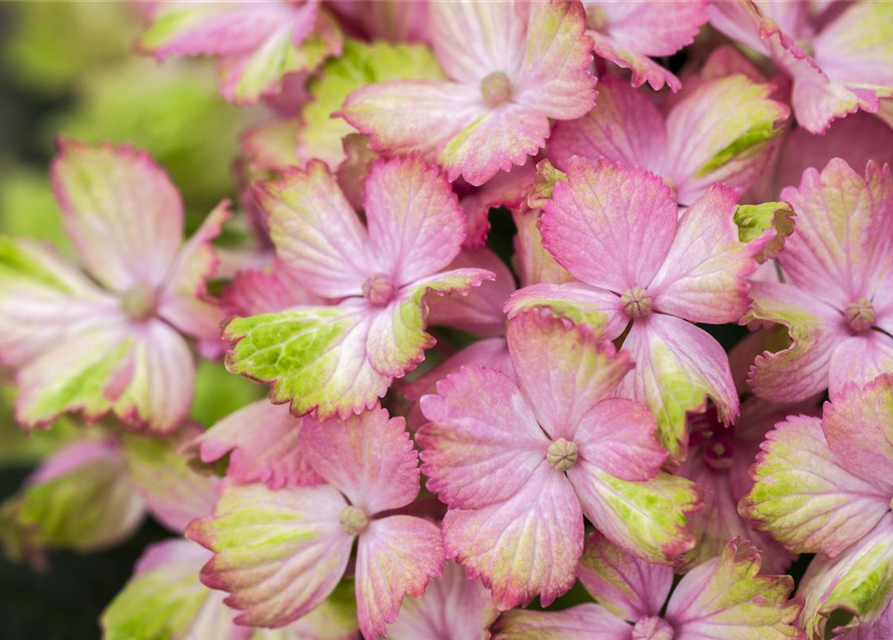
525	546
764	228
678	367
842	246
626	586
121	211
261	440
647	519
704	276
624	216
858	426
369	458
415	223
279	554
583	622
397	556
728	598
483	442
183	301
453	607
598	309
805	497
562	370
316	232
797	365
859	581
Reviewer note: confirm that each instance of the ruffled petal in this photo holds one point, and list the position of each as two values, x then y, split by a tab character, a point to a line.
805	497
397	556
509	190
279	554
704	276
624	216
643	68
726	597
369	458
524	546
598	309
628	587
858	360
583	622
121	211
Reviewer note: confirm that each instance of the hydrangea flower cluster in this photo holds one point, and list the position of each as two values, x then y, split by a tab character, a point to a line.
533	303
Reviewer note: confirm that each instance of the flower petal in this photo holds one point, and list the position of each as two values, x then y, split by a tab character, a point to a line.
597	309
562	370
397	557
255	291
415	223
524	546
704	276
624	216
121	211
369	458
726	597
643	68
583	622
805	497
626	586
532	262
860	359
278	553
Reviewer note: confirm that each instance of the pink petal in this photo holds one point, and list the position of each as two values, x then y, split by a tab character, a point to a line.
255	292
704	276
397	557
532	262
858	426
583	622
726	597
563	371
261	440
627	586
369	458
842	245
598	309
860	359
316	233
652	28
643	68
524	546
183	301
121	211
624	216
415	223
508	190
805	497
483	443
278	553
453	607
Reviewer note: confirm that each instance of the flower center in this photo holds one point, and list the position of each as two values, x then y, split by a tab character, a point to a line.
652	628
496	88
562	454
353	520
138	302
378	289
860	315
636	303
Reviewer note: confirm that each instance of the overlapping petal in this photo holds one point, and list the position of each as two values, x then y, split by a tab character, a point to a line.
583	622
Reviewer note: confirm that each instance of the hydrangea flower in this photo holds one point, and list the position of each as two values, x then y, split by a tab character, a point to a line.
723	130
520	464
113	343
281	553
826	486
630	33
838	65
724	597
640	263
339	359
257	43
837	299
511	66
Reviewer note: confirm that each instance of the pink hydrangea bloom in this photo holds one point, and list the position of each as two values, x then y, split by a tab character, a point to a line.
826	485
512	66
340	358
281	553
519	464
724	597
113	343
640	263
838	65
630	33
257	43
837	298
